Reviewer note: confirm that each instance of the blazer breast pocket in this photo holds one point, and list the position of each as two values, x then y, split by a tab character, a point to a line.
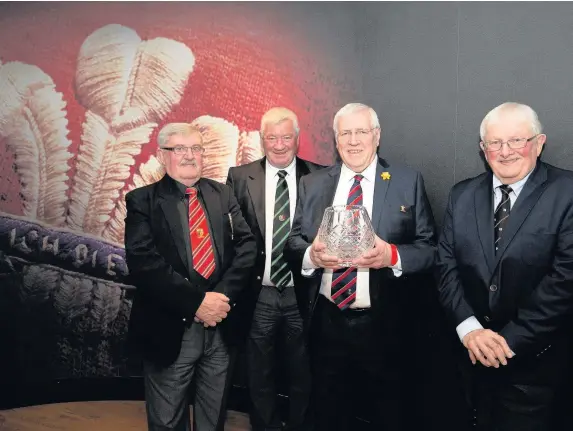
401	222
228	228
537	248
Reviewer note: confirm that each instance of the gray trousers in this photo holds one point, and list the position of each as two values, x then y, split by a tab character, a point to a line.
203	355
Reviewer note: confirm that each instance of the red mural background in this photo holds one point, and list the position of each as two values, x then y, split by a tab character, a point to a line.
65	314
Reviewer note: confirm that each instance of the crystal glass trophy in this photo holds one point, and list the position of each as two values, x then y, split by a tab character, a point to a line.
347	232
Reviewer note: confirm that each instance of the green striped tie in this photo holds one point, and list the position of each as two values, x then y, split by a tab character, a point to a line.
280	273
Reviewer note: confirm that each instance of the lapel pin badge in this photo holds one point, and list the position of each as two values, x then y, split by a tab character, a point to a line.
385	176
402	208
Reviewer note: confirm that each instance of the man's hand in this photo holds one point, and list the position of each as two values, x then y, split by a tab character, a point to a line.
213	309
488	347
378	257
319	257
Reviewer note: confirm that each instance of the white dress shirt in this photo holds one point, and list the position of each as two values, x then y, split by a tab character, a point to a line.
340	198
271	181
471	323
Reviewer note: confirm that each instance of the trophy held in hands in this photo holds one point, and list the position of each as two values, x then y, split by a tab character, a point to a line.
347	232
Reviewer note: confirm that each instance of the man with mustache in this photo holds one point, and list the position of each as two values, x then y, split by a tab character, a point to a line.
354	313
188	250
505	273
267	191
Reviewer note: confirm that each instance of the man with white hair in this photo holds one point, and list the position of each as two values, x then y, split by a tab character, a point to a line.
188	251
355	313
505	273
266	190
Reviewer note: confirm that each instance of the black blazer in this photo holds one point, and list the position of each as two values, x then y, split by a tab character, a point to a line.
401	215
525	291
248	184
158	254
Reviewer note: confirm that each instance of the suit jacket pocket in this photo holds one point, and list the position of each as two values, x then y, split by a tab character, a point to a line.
401	223
537	248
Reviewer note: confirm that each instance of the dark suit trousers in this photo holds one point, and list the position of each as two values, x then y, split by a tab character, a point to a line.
277	320
353	375
203	355
519	397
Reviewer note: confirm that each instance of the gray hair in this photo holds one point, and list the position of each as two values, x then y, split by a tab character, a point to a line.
277	115
179	129
524	111
351	108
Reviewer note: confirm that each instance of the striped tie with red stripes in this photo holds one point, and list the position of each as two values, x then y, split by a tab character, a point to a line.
343	288
201	243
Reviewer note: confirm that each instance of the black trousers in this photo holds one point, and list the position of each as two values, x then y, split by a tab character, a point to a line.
277	320
519	396
353	372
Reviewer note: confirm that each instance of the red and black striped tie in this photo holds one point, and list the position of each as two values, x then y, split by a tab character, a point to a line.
343	290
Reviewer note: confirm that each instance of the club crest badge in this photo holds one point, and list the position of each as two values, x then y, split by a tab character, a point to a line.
282	217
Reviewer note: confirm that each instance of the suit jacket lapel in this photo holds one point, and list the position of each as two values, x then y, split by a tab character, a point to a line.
380	189
214	212
168	200
525	202
301	169
483	203
256	187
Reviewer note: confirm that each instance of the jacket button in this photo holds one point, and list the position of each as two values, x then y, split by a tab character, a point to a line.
486	318
184	319
493	287
258	277
262	252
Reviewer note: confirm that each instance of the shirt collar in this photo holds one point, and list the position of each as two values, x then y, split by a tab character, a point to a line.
290	169
369	174
182	188
515	187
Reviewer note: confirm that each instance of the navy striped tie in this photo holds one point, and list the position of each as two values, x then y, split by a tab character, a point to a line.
501	214
343	288
280	273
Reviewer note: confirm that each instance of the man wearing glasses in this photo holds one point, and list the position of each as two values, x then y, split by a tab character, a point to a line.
267	191
188	250
505	273
356	313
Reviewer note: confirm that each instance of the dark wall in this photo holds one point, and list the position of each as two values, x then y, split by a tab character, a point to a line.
433	70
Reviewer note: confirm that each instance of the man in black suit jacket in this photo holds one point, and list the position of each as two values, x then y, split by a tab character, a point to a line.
355	315
505	271
189	251
270	314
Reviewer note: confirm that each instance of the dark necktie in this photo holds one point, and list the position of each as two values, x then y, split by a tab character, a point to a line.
201	244
501	215
343	288
280	273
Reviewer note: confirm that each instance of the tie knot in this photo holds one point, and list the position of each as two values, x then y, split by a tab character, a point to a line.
358	177
505	189
282	174
191	191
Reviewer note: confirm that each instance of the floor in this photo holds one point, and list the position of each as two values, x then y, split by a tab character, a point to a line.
92	416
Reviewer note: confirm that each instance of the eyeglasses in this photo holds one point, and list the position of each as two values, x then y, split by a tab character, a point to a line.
271	139
514	144
346	135
180	150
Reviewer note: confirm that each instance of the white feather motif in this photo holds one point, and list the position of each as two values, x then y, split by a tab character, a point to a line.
127	86
149	172
34	125
220	139
250	148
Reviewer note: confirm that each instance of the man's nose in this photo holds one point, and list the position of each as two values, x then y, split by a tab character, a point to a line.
505	150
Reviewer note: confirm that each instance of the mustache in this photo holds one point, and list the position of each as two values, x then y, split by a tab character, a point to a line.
188	163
